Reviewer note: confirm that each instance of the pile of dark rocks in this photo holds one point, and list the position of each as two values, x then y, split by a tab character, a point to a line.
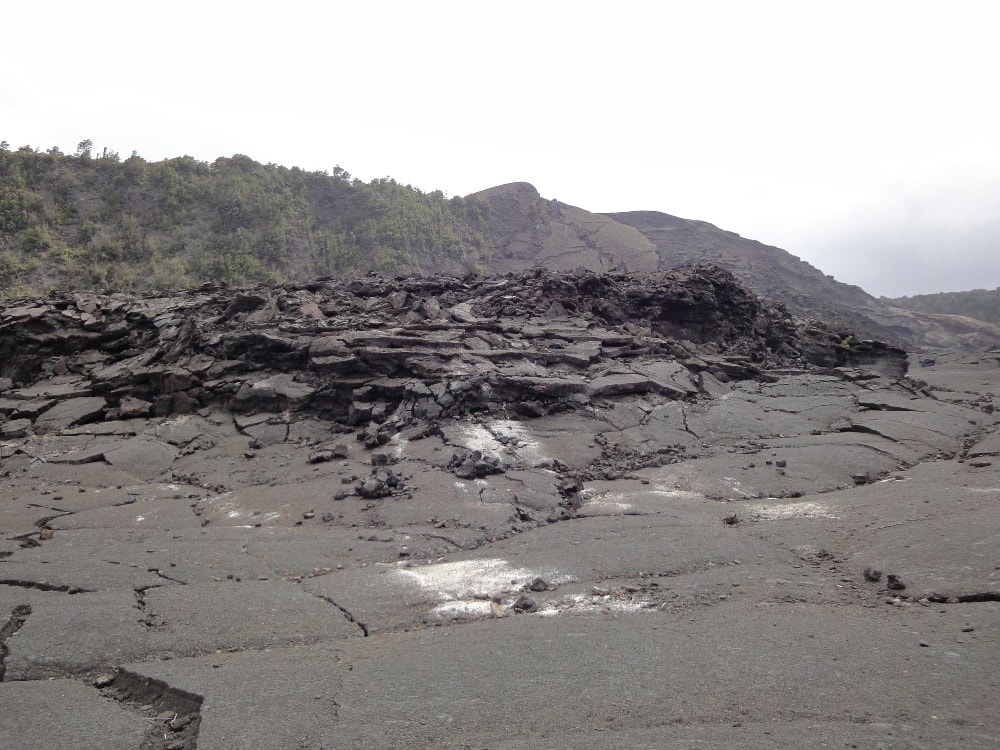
378	356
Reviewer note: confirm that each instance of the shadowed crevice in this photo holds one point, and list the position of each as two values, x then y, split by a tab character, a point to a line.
17	618
173	714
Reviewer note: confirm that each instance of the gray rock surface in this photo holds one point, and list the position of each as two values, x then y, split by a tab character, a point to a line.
509	524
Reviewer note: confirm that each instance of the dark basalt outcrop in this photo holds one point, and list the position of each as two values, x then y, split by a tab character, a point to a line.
378	355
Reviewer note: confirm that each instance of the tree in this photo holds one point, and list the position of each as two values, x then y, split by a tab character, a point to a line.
83	148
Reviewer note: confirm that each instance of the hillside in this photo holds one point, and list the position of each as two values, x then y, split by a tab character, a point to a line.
982	304
525	230
767	270
84	222
102	223
805	290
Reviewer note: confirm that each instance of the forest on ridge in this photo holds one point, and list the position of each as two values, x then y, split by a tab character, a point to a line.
97	221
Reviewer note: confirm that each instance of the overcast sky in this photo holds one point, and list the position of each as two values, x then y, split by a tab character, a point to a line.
863	137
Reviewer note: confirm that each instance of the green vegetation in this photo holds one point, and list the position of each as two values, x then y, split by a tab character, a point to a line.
982	304
92	220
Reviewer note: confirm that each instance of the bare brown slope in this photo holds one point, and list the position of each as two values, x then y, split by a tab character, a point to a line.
527	230
768	270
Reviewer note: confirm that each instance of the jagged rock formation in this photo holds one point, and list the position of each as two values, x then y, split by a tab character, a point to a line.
380	354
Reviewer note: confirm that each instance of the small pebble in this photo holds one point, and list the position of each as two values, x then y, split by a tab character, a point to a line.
104	680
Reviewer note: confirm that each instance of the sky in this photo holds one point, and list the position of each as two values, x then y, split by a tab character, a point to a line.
863	137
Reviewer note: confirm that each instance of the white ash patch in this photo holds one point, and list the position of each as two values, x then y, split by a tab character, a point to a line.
474	579
486	438
779	511
614	500
227	504
591	603
737	486
398	445
607	503
464	485
463	608
477	437
474	589
672	492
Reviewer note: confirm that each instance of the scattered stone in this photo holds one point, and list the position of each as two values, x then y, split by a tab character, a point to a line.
375	435
178	723
131	407
525	603
873	576
382	483
538	584
466	464
15	428
894	583
570	487
103	681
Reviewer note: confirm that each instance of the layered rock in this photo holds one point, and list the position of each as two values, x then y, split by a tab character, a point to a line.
379	354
